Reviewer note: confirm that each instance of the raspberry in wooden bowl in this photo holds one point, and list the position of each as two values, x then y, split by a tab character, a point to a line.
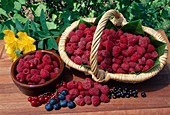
37	72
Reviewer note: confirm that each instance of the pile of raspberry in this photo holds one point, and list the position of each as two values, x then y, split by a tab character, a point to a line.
86	92
118	52
36	69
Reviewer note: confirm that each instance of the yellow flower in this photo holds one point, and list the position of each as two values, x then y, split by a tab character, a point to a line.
10	39
11	53
25	43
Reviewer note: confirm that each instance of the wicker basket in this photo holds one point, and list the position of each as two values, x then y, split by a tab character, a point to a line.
101	75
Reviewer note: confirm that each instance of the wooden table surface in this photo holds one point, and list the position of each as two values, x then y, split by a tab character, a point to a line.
12	101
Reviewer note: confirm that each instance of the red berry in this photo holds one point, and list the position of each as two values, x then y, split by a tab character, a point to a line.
64	84
33	103
29	99
35	98
45	99
57	85
41	99
38	103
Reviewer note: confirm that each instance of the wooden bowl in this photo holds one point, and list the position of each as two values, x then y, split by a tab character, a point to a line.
49	85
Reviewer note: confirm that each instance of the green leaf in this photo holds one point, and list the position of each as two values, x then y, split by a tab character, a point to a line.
19	26
7	5
1	36
134	27
40	45
63	27
86	66
51	43
39	9
43	22
51	25
22	2
17	6
33	26
54	32
42	34
3	12
18	52
26	27
20	18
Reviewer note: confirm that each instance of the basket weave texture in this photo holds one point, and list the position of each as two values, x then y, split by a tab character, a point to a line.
101	75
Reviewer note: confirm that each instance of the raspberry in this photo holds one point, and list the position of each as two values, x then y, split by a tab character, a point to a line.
86	84
70	49
138	68
27	58
88	38
27	64
142	61
88	45
99	58
42	81
86	92
44	73
101	67
69	98
109	69
145	68
123	46
28	77
80	100
74	92
150	48
93	28
71	34
109	45
62	88
140	50
100	46
26	71
80	86
130	50
88	32
104	98
82	45
74	39
154	55
119	33
115	66
55	64
19	68
88	79
40	66
31	83
21	61
72	58
79	33
104	36
82	93
48	68
108	60
120	70
100	53
82	39
121	57
95	100
135	57
38	54
20	77
150	62
52	74
116	51
87	53
78	52
94	91
125	66
131	70
72	84
116	61
82	26
88	63
106	31
78	60
132	64
148	55
123	39
97	85
35	72
132	40
148	40
36	78
112	31
111	37
106	53
46	59
124	53
105	89
36	61
84	59
143	42
87	100
103	64
56	70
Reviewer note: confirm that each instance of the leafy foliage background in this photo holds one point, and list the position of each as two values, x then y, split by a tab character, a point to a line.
47	24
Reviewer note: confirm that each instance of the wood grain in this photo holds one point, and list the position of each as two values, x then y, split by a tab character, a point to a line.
12	101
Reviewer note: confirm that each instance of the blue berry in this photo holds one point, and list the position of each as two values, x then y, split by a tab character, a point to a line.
135	92
115	89
126	89
122	95
63	103
71	104
64	92
131	93
61	97
53	101
109	96
48	107
56	106
135	95
143	94
111	92
128	96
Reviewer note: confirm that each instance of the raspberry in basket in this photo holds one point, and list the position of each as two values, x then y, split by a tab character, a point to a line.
87	100
106	53
145	68
46	59
42	81
148	56
116	61
80	100
150	62
141	50
79	33
38	54
131	70
142	61
123	46
62	88
74	39
123	39
97	85
84	59
78	60
80	86
86	84
79	52
148	40
135	57
130	50
120	70
150	48
105	89
95	100
71	34
88	45
125	66
70	49
143	42
116	51
132	64
88	38
154	55
93	28
44	73
94	91
138	68
82	26
132	40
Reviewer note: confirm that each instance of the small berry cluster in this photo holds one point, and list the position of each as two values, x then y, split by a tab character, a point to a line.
36	69
117	93
118	52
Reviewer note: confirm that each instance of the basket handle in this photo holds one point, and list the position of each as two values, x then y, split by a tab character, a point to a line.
118	21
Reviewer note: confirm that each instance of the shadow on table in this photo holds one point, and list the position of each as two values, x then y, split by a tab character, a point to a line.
157	82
